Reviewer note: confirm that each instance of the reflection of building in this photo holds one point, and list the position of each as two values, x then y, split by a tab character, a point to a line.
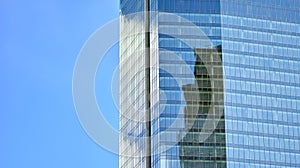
196	148
260	76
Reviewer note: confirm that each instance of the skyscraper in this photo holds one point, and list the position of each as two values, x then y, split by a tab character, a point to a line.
213	83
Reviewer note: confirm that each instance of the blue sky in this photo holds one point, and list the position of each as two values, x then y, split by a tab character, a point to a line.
39	44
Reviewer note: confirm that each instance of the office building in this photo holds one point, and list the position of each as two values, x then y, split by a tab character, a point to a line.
215	83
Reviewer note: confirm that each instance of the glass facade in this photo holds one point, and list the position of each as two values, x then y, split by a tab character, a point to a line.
261	51
132	85
223	94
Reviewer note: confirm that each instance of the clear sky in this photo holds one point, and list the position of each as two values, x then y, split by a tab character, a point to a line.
39	44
